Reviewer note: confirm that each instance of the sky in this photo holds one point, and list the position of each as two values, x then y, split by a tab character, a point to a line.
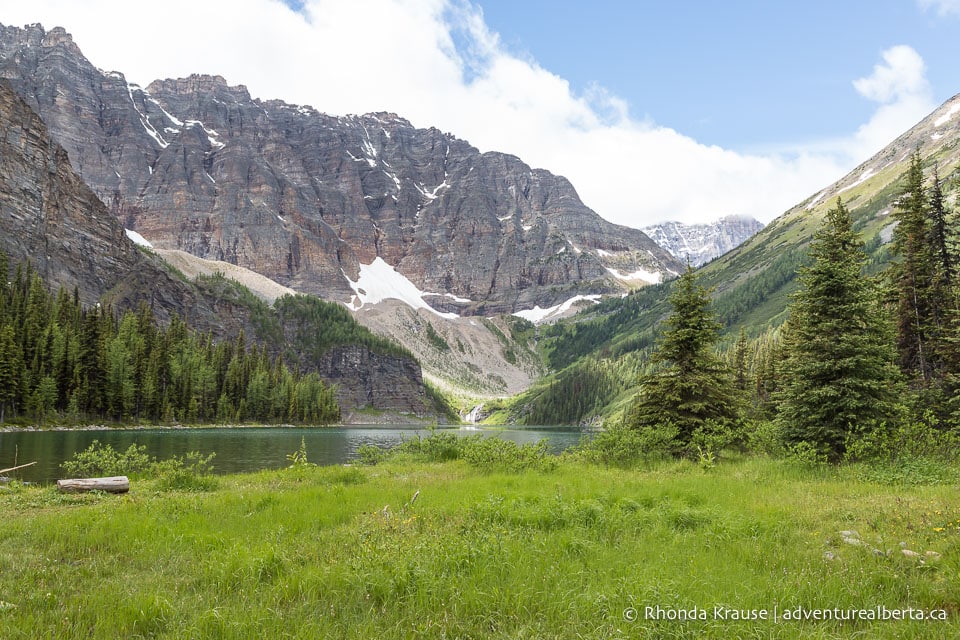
687	110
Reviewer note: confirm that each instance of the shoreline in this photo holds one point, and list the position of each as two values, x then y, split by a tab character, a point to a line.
161	427
181	427
385	419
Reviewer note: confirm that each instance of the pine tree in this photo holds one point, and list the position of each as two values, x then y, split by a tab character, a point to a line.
839	377
691	388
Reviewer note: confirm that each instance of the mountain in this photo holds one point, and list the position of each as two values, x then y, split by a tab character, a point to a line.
51	218
751	284
701	243
315	201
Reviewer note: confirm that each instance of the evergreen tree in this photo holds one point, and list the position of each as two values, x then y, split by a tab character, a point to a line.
839	377
740	370
11	367
766	373
691	388
58	359
944	397
940	236
914	276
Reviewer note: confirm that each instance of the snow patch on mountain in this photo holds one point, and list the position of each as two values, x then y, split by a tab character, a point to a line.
379	281
945	118
650	277
138	239
538	315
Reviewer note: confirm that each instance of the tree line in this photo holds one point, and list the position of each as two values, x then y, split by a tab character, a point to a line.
859	357
61	361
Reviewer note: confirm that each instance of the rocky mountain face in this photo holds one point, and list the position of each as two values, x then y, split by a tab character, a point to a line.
307	199
50	217
701	243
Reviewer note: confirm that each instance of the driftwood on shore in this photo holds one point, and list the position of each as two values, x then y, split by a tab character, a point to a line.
21	466
114	484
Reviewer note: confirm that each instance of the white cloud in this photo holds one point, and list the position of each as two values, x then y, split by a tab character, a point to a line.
942	7
900	86
437	63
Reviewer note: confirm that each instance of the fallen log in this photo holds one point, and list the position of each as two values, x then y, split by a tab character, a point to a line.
22	466
114	484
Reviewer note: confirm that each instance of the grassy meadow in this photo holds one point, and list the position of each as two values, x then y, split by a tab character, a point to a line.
573	551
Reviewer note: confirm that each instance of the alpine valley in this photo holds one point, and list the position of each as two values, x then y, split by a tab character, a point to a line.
458	255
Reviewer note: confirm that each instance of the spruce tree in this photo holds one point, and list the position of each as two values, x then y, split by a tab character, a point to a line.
11	370
914	276
940	235
840	377
691	388
740	369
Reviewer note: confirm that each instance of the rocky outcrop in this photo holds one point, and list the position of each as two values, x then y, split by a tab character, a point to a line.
305	198
701	243
50	217
365	379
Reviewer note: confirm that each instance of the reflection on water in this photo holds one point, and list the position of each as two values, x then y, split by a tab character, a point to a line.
239	449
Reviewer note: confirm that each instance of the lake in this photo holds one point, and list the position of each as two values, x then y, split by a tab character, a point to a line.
240	449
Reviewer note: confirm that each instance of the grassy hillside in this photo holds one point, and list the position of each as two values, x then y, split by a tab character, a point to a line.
752	284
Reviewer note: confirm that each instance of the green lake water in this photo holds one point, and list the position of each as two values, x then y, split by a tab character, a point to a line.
240	449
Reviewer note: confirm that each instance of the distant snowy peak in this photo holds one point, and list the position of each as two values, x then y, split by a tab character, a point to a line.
701	243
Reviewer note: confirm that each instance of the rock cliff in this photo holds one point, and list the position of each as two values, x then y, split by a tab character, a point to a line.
307	198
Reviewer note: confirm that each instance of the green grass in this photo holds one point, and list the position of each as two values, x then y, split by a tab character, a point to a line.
345	552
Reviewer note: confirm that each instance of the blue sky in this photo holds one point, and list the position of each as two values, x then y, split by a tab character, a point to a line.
740	74
686	110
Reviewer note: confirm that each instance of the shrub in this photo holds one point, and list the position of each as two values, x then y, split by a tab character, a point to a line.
712	437
912	439
487	453
192	472
766	438
808	455
100	460
623	446
436	447
497	454
371	454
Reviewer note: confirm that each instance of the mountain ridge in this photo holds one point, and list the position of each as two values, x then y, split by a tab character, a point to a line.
703	242
752	284
306	198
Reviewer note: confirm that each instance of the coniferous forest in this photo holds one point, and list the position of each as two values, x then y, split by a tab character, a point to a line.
59	360
865	366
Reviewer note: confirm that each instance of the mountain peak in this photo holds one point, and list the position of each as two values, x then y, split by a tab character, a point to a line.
199	84
701	243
